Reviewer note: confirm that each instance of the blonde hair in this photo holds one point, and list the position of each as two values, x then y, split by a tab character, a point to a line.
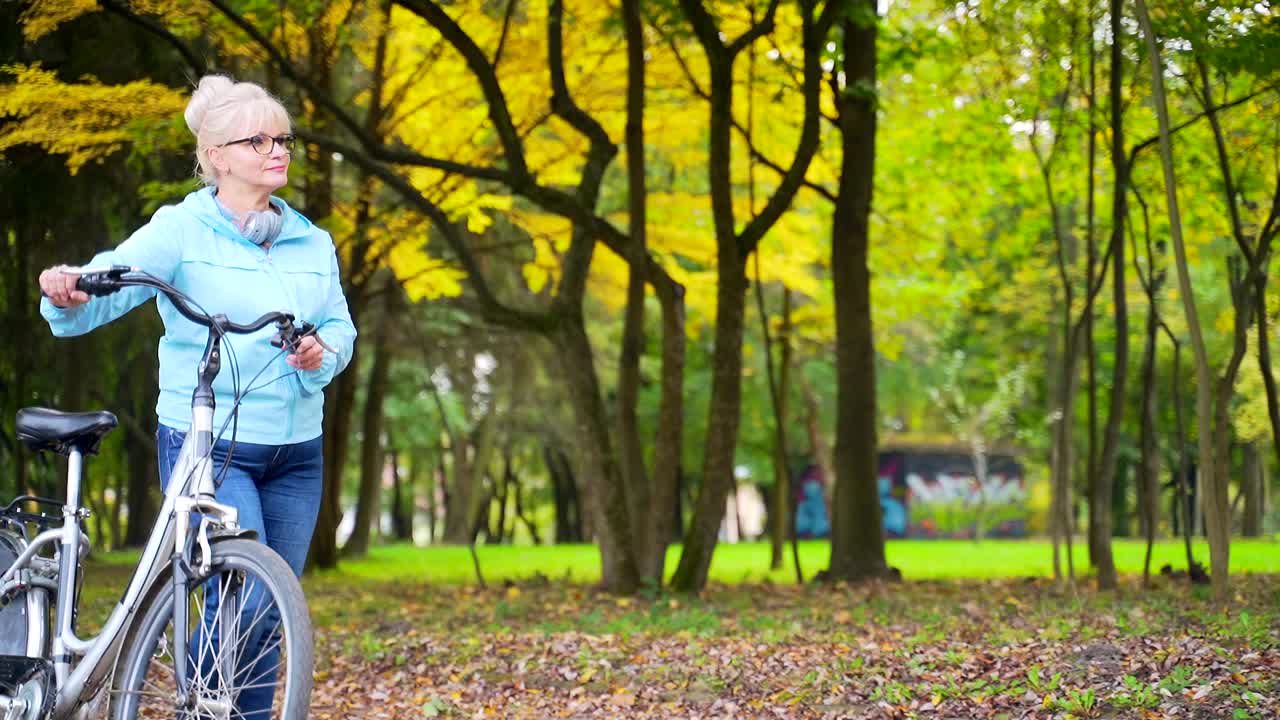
222	110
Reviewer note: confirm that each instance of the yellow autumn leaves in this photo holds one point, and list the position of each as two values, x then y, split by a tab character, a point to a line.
85	121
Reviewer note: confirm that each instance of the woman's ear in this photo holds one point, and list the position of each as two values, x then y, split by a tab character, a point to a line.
217	160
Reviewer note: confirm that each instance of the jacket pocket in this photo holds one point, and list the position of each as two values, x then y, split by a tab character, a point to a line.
309	279
225	277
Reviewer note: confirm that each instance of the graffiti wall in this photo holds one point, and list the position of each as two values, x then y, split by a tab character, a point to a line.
933	493
929	492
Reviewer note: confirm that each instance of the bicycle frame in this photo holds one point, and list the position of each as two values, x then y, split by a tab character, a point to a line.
173	538
169	540
191	490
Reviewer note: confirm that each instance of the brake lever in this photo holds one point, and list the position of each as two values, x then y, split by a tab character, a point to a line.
295	335
285	335
312	331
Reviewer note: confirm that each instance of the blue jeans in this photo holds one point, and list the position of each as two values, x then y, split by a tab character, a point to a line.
276	489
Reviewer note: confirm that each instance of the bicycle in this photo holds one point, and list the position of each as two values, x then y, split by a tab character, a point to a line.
209	612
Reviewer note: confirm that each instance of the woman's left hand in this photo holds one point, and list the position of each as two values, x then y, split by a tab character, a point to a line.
308	356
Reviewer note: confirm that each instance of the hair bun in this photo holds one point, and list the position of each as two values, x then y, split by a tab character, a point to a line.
205	96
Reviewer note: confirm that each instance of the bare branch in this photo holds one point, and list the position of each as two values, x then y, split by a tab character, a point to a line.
485	74
506	27
188	54
1133	152
494	310
814	36
562	103
704	27
756	31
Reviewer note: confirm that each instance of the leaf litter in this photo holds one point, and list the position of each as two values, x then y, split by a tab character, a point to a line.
957	649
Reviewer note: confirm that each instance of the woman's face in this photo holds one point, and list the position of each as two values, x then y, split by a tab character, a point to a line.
257	161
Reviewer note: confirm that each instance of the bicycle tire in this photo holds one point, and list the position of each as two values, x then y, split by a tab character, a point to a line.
144	686
16	623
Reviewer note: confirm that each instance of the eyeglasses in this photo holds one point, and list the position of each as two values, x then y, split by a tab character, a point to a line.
265	144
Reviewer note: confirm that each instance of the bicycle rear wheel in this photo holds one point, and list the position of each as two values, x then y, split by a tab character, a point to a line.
25	620
250	653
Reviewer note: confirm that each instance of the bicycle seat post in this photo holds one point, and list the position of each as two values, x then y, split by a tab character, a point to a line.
69	557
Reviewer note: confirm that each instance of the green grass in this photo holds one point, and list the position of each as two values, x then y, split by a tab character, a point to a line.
749	562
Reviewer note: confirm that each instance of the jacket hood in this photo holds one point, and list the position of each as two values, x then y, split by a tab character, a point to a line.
204	206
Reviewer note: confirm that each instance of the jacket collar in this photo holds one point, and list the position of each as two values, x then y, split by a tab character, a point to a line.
204	206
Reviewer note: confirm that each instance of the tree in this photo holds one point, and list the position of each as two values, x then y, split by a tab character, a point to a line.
733	247
982	426
857	541
1100	525
1214	486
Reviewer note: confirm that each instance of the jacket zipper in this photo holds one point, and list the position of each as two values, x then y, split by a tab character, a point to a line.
294	380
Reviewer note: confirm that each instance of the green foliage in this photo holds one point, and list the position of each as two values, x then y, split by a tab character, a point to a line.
983	125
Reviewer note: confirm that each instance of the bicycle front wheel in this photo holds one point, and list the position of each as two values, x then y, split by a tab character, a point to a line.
249	645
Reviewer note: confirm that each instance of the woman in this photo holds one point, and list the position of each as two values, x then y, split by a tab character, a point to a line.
237	250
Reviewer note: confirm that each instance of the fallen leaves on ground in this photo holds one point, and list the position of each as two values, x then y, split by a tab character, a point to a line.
1007	649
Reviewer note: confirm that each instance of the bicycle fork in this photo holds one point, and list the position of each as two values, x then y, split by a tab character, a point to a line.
199	504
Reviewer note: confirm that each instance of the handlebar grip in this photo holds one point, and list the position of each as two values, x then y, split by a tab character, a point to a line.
102	281
98	284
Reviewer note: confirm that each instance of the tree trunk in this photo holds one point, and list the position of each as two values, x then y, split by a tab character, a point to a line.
817	442
140	493
605	496
458	495
668	437
1100	525
1219	533
467	497
722	424
503	496
779	390
1061	516
339	395
318	206
1149	482
560	496
438	501
726	362
518	502
372	454
857	532
404	497
1184	505
1264	360
1090	315
1252	488
631	458
732	250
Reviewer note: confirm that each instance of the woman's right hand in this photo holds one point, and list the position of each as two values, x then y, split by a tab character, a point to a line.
60	287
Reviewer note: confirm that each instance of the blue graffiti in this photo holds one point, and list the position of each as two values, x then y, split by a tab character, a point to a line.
892	511
811	512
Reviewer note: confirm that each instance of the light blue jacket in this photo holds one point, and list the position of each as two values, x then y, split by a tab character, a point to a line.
194	247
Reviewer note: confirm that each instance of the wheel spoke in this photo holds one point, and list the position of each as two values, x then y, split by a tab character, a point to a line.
238	651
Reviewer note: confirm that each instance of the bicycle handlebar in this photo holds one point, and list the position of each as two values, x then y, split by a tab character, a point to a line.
100	282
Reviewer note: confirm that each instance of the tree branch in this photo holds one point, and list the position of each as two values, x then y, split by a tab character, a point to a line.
704	27
506	27
746	136
756	31
494	310
197	63
483	70
1133	152
814	34
562	103
404	156
318	96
